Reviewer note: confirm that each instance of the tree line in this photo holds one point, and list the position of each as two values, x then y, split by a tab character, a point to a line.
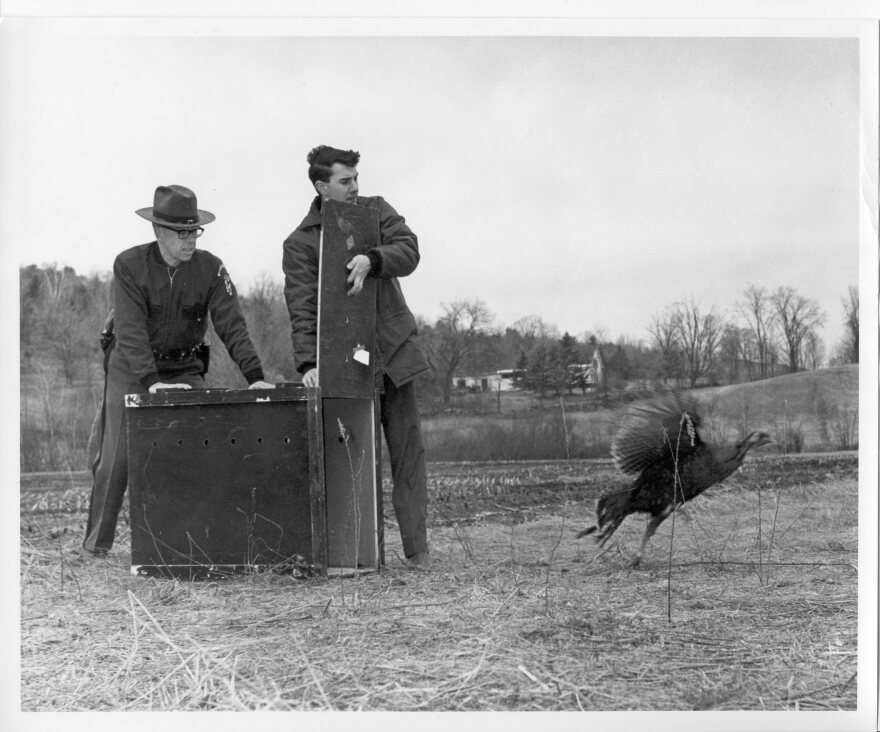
769	333
62	314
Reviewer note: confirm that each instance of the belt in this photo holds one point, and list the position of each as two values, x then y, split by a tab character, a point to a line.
176	354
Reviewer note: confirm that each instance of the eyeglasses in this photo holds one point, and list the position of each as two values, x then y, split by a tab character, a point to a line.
187	233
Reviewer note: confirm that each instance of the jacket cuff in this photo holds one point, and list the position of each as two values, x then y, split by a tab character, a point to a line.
375	262
254	376
150	379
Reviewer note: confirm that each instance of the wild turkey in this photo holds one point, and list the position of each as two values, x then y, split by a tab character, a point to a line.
659	442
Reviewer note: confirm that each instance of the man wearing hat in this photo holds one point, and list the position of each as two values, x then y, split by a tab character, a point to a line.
400	357
163	294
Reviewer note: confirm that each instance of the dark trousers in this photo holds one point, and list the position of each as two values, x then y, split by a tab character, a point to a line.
108	446
399	414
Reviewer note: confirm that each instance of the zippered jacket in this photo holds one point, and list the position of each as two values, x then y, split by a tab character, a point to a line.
400	354
161	309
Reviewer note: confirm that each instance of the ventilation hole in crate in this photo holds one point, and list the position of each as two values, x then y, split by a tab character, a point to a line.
207	442
155	443
286	440
180	442
259	440
232	441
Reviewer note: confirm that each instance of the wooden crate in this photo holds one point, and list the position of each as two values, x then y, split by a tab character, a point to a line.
226	480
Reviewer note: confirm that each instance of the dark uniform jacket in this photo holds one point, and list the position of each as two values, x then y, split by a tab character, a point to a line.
400	353
161	312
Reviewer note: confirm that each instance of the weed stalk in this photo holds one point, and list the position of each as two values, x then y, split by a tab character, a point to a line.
760	539
345	438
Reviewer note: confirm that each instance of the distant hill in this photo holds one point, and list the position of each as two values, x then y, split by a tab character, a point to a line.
810	411
795	394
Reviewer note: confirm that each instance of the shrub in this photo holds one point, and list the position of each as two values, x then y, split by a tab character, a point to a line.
844	428
789	436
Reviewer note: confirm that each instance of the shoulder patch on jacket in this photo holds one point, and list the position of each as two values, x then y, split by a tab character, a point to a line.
227	281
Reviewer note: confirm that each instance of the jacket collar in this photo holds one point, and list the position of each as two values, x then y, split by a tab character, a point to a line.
313	217
154	254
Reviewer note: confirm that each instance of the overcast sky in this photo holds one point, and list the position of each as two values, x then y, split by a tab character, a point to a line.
585	179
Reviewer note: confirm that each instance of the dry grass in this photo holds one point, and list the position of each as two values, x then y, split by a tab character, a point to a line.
516	616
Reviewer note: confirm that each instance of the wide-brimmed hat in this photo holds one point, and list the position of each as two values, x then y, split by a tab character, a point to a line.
176	208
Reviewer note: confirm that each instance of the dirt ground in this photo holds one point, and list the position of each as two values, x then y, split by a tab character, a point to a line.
747	600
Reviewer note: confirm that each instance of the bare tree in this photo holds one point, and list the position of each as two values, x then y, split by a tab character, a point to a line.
532	329
751	355
100	290
261	298
814	351
731	351
664	330
65	318
851	320
797	317
454	337
757	309
699	335
269	325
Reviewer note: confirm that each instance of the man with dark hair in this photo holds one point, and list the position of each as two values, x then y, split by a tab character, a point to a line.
322	158
163	294
400	358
